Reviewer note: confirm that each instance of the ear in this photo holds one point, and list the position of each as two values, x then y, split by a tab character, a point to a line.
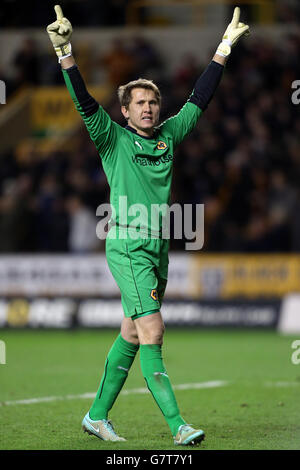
125	112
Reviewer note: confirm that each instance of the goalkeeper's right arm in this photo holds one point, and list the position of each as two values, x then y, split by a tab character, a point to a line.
97	121
60	34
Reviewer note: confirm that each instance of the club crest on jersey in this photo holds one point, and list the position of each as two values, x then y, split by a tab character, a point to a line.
153	294
161	145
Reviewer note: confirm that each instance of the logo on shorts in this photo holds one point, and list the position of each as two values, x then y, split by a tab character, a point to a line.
161	145
153	294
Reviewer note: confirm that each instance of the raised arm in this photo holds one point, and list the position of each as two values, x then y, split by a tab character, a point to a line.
208	82
60	33
99	125
185	121
234	31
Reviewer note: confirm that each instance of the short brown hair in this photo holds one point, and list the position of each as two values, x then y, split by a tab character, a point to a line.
124	91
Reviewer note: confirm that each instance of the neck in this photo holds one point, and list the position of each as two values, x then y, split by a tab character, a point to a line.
143	132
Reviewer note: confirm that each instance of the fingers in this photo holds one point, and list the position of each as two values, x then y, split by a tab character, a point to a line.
59	13
236	17
60	28
53	26
63	25
244	28
63	29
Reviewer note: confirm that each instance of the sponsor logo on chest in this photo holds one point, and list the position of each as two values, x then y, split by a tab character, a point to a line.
152	161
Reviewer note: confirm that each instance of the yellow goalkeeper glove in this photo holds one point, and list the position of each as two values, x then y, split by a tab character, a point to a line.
235	30
60	33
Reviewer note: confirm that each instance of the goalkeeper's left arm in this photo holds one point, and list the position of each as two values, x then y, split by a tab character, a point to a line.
234	31
182	124
208	82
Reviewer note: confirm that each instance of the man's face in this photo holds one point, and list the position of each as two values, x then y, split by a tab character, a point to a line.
143	111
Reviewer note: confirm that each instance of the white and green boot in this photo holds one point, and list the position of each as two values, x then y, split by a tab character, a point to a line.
102	429
187	435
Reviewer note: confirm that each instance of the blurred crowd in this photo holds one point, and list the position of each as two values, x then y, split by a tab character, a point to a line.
34	13
242	161
89	13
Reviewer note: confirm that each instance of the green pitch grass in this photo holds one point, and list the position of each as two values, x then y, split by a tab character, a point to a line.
257	408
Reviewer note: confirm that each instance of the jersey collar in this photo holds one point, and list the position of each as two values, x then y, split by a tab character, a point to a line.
134	131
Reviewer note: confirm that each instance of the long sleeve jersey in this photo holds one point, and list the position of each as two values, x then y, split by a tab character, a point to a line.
139	169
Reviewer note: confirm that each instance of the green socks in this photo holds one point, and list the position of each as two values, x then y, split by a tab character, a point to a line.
159	384
117	365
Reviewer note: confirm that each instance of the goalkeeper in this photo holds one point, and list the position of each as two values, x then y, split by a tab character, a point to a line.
138	161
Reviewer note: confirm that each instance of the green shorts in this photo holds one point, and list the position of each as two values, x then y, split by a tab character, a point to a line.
140	269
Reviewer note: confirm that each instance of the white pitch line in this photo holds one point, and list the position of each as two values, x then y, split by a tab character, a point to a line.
31	401
282	384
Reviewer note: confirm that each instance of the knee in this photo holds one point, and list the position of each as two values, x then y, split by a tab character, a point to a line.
158	336
134	338
128	331
150	329
130	336
153	335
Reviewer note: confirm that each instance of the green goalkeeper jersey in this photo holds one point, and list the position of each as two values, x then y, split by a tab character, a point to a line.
138	169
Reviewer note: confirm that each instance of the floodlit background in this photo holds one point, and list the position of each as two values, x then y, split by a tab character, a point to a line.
242	162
